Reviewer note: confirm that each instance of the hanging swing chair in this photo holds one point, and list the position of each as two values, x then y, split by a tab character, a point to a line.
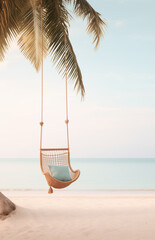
56	159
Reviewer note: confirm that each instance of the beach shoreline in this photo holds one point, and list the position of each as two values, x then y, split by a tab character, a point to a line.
80	215
71	192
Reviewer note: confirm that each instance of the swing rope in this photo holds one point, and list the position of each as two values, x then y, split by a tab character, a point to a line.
42	92
67	120
66	78
55	156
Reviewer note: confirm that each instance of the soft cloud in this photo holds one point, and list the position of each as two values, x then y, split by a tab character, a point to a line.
119	23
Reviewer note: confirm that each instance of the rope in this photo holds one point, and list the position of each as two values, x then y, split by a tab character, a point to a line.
67	121
41	123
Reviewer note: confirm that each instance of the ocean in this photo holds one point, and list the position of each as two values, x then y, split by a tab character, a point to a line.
96	174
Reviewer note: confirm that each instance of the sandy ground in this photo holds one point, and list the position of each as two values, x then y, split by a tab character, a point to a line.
80	216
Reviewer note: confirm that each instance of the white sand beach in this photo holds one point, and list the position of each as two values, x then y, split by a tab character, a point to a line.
95	216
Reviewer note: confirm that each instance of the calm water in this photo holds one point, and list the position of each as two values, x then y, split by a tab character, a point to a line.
96	174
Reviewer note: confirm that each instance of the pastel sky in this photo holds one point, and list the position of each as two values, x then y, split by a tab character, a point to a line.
117	117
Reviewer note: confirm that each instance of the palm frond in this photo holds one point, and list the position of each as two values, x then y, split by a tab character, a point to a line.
23	19
9	18
30	41
95	24
57	21
3	32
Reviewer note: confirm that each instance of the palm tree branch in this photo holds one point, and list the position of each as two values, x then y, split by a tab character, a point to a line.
30	41
56	27
9	18
95	25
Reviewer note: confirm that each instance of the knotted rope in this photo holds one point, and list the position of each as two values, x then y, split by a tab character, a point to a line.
67	120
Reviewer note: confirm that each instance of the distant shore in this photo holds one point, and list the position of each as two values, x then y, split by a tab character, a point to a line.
84	215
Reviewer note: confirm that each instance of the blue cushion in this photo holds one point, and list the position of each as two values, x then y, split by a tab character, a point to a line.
60	173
